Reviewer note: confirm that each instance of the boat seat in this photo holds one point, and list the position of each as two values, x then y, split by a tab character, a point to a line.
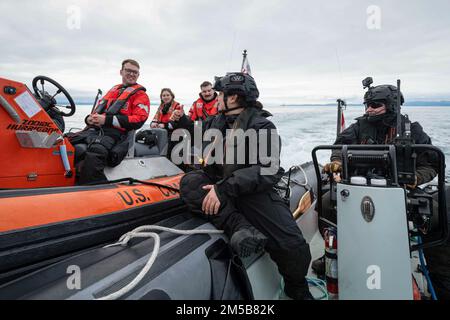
160	149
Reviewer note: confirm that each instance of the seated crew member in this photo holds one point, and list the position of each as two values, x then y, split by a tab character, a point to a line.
125	107
239	198
205	106
167	107
378	126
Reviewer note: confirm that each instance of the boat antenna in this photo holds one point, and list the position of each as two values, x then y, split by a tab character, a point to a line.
399	115
341	103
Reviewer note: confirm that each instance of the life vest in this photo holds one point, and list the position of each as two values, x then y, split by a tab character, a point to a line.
161	117
201	109
116	99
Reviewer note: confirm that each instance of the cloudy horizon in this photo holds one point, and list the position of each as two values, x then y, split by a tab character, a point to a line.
300	52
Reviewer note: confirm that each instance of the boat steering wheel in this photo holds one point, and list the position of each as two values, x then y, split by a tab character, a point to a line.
48	101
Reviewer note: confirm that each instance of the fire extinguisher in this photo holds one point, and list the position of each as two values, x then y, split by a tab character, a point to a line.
331	263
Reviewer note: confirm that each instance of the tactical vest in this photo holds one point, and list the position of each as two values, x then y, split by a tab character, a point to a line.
375	133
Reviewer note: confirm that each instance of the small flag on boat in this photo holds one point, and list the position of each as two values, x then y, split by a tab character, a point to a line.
246	67
342	121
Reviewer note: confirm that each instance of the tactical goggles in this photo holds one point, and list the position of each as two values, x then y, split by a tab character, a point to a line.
375	104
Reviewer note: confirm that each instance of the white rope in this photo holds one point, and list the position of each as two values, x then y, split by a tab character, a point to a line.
305	175
285	178
140	233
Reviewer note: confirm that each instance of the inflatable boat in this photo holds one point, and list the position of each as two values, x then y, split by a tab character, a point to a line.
134	239
183	262
44	216
45	219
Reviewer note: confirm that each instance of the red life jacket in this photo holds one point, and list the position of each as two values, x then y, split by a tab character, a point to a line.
116	98
165	118
201	109
126	108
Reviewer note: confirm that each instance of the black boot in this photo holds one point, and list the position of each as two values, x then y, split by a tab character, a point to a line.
296	294
247	240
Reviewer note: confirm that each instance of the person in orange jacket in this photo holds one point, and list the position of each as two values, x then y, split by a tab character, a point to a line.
204	107
167	107
124	108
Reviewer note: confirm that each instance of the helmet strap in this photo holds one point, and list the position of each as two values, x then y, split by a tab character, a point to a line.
227	109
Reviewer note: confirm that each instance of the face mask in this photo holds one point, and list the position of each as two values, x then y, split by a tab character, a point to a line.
377	118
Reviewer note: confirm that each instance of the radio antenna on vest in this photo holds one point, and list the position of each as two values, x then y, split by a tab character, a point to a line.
399	114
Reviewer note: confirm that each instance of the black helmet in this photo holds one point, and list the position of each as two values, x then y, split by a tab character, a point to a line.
386	94
237	83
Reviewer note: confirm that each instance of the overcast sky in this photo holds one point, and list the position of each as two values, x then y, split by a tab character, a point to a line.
300	51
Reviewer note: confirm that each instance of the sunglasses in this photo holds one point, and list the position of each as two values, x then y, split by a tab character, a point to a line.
375	105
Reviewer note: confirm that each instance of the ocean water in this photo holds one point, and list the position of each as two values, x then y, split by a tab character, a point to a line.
304	127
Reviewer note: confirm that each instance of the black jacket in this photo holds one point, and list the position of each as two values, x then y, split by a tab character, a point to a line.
383	132
235	179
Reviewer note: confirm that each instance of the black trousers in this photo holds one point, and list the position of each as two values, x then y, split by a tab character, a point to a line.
438	260
99	145
328	212
270	215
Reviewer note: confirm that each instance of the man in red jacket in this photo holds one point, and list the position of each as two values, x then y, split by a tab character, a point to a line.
206	104
124	108
204	107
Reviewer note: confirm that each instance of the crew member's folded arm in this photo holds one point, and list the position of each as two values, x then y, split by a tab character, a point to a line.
133	122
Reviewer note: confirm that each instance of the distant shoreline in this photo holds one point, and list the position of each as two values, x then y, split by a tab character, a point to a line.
409	104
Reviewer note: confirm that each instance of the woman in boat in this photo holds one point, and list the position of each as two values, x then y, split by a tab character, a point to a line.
167	107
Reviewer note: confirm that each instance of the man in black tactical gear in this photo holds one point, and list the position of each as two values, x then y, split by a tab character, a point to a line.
379	126
239	197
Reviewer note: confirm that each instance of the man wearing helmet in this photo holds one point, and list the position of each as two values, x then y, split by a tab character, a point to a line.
239	198
379	126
